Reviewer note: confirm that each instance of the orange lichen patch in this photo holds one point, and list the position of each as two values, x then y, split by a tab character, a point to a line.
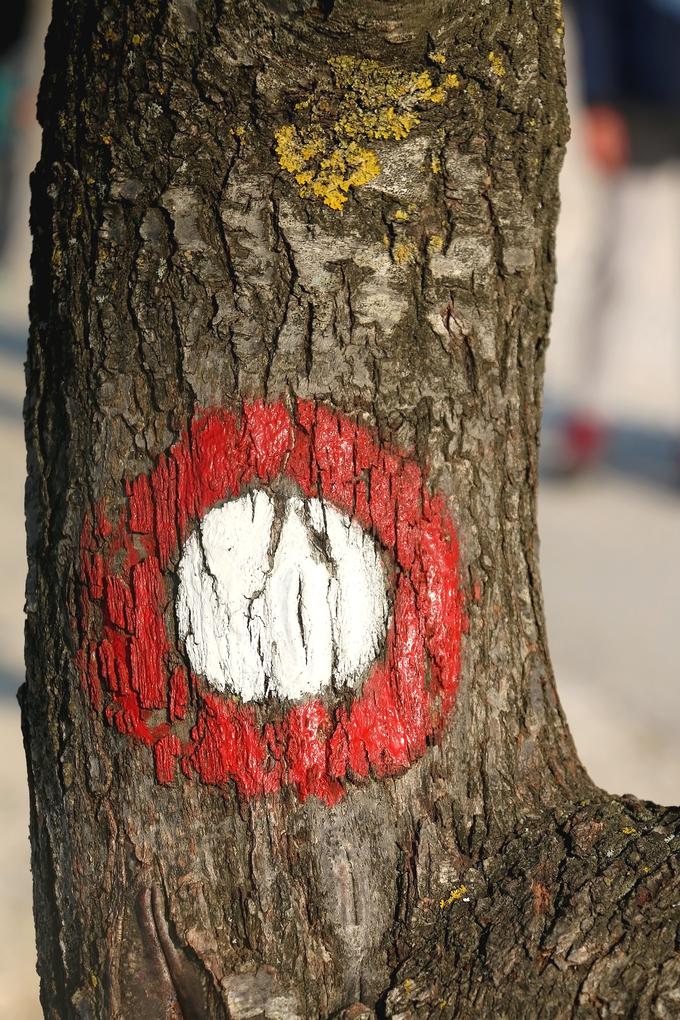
333	175
404	252
455	894
327	149
497	65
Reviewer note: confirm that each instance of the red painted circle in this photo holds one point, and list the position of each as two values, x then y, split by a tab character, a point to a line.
128	660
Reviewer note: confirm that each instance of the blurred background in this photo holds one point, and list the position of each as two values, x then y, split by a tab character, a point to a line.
609	501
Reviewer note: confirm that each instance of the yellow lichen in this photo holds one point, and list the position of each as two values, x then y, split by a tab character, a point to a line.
497	65
435	164
409	985
404	252
629	831
435	244
401	215
455	894
326	150
438	58
330	177
452	81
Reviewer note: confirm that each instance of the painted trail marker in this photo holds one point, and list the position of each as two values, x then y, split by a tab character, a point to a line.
288	611
283	589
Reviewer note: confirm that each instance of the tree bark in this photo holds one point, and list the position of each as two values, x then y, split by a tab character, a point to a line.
245	206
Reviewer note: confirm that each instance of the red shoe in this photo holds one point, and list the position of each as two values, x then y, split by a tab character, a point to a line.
571	444
583	442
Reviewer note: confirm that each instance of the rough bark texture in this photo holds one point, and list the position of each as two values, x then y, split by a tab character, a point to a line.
189	254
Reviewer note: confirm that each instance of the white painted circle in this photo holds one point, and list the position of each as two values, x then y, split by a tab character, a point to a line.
284	607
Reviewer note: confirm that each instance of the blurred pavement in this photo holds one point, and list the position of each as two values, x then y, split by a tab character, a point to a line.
610	558
610	541
18	979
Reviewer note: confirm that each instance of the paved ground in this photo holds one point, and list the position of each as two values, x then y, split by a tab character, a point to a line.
18	984
610	552
610	545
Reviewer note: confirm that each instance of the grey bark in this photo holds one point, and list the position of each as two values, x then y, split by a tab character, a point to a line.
177	265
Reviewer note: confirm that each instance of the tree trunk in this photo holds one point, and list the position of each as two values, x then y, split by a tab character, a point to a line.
293	738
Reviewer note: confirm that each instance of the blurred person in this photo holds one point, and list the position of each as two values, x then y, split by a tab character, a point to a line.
13	26
630	60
